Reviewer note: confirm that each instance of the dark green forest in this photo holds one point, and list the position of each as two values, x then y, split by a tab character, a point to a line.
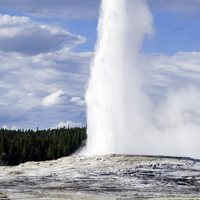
27	145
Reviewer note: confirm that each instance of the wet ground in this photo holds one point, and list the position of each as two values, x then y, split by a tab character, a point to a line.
103	177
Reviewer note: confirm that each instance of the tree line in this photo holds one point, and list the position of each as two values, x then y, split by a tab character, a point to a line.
19	146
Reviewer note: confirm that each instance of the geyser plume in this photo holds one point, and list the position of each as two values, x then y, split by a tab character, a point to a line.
121	118
115	83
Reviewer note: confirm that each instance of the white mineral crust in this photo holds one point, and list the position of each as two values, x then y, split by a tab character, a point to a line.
103	177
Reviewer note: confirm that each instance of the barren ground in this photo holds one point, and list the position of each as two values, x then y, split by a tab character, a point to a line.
103	177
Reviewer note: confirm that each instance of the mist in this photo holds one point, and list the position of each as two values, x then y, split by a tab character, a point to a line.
121	117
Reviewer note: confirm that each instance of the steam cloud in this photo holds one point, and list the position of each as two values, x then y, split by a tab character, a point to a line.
121	118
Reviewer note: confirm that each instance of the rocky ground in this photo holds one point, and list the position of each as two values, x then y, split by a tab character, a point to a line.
103	177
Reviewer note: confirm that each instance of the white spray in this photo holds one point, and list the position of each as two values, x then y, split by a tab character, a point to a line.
115	82
120	117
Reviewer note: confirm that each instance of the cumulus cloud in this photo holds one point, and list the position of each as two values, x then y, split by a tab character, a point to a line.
68	9
14	127
38	65
69	124
21	34
58	97
78	100
4	127
26	80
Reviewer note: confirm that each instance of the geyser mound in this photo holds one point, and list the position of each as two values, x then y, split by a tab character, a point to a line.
108	177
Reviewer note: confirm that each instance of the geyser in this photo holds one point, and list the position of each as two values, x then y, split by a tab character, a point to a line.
114	99
121	118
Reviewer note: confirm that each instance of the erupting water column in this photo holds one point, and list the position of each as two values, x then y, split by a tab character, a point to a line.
114	99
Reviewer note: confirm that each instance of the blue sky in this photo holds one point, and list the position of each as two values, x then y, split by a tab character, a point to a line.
173	33
46	48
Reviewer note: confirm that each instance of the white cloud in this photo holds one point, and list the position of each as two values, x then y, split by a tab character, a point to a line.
58	97
78	100
39	67
2	103
14	127
67	9
5	127
21	34
27	101
70	124
31	94
168	72
24	80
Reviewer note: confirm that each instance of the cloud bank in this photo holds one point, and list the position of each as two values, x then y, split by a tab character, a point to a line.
89	9
21	34
39	70
67	9
167	72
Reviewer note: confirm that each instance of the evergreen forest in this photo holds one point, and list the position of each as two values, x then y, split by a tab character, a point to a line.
19	146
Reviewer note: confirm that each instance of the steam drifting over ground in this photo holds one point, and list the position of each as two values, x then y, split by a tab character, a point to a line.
122	118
